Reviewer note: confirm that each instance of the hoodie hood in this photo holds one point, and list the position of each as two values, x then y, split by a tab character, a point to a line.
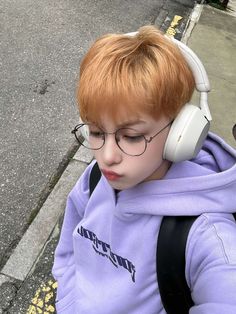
206	183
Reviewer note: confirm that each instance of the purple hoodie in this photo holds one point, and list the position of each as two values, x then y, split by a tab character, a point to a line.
105	261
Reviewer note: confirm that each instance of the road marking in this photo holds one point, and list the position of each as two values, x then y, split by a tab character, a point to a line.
172	28
44	299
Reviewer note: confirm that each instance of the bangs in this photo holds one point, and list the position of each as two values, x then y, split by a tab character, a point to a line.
124	76
117	96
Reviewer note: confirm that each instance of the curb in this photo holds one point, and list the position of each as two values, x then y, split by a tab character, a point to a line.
21	262
193	20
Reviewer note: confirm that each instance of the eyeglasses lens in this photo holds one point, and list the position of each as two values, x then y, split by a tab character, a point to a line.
127	139
130	142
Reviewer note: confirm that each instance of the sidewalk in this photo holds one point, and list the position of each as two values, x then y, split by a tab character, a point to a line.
211	35
214	40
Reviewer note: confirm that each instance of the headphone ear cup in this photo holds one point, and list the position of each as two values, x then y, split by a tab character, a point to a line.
186	135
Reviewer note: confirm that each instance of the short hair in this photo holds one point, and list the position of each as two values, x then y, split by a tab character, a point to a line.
123	74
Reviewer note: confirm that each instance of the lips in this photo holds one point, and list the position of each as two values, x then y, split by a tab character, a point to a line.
110	175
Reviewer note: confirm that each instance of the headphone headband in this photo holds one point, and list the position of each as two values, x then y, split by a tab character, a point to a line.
195	64
200	76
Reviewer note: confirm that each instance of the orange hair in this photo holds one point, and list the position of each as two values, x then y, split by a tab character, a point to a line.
122	74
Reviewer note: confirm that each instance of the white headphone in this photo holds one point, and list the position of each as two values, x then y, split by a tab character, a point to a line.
189	129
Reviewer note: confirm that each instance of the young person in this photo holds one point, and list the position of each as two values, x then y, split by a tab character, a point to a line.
132	90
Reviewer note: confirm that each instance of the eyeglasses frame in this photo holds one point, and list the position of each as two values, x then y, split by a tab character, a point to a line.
147	141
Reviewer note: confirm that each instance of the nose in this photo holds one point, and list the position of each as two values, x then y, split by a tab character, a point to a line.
110	151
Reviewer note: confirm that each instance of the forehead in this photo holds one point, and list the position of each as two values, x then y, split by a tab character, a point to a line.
143	122
110	125
121	118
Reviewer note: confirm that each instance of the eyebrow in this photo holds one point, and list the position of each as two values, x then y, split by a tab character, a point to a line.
130	123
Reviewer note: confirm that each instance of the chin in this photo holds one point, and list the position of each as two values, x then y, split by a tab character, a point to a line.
122	185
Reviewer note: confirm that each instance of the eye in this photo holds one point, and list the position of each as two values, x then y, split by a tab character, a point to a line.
96	134
129	136
133	138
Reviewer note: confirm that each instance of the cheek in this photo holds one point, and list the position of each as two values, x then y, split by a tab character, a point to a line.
150	161
154	151
144	166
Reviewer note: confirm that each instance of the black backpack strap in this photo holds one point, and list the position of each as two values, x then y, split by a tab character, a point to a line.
171	244
94	178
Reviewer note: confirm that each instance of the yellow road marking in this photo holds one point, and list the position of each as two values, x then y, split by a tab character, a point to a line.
44	296
171	29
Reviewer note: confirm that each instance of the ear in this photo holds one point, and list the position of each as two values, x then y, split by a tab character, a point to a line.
186	134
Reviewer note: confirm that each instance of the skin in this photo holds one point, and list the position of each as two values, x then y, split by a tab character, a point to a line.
133	170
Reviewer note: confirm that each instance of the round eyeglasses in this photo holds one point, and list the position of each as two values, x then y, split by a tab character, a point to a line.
127	139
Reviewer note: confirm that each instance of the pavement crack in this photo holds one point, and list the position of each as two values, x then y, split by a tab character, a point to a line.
8	293
42	87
